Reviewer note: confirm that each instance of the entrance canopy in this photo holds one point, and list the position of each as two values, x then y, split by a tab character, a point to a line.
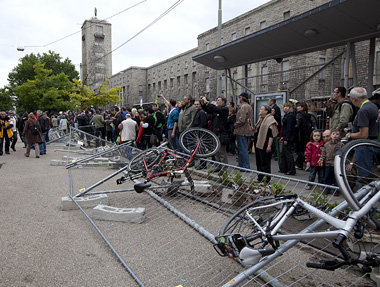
332	24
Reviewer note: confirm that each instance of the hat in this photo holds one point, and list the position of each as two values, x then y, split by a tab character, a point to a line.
244	95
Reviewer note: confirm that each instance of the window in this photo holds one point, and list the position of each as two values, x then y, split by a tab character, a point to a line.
321	75
99	55
377	64
263	25
264	75
98	42
99	29
171	69
207	46
247	31
207	83
186	65
159	73
285	66
249	78
222	41
286	15
165	72
154	75
185	79
233	36
194	63
171	82
178	67
178	81
99	76
140	88
165	84
99	65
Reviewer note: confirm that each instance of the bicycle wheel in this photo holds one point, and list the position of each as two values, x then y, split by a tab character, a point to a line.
356	164
149	157
209	143
266	211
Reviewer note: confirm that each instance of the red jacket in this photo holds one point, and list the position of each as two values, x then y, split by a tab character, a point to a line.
313	153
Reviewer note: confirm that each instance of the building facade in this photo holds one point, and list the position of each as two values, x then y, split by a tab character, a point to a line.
96	52
298	75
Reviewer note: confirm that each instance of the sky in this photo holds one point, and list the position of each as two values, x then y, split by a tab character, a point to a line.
34	25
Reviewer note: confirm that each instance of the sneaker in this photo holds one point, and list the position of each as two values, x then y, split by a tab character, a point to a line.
308	187
13	148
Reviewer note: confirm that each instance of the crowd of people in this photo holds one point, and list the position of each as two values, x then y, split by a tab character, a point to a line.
297	138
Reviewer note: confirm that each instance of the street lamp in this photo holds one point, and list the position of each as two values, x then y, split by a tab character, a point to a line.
218	72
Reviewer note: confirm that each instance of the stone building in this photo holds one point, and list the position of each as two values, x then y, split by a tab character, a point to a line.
96	52
298	75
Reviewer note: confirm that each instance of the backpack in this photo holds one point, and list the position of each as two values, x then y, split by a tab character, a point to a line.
159	119
354	109
35	130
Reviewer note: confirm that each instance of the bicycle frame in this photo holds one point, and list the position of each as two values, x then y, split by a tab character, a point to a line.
344	227
151	174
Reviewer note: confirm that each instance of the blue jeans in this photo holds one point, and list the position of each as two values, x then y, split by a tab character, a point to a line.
174	142
129	152
313	172
42	146
243	156
364	159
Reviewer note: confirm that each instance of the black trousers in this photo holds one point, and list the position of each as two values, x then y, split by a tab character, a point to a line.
263	163
7	143
287	158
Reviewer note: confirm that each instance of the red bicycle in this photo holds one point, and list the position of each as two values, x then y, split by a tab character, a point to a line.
160	161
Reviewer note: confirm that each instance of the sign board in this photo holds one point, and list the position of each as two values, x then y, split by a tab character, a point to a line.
262	99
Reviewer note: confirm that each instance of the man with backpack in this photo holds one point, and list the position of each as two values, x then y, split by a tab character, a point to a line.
340	110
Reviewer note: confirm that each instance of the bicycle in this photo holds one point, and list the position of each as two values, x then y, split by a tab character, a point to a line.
160	161
254	232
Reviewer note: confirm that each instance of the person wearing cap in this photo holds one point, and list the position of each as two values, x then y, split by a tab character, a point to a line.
243	130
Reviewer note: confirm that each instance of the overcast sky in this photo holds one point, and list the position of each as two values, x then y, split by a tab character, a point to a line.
40	22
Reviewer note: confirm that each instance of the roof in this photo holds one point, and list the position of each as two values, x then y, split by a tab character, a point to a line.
332	24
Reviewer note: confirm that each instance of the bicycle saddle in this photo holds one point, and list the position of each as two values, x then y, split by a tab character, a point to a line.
140	186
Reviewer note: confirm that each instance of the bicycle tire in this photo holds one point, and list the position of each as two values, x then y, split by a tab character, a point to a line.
342	159
209	142
239	223
151	156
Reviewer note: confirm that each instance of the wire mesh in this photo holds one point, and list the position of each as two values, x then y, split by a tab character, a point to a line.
172	245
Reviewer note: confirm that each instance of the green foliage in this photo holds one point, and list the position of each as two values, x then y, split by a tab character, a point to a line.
25	71
319	199
6	101
83	97
46	91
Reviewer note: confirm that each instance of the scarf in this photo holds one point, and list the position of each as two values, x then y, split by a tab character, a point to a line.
264	124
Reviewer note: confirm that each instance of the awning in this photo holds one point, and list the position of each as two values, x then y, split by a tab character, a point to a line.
332	24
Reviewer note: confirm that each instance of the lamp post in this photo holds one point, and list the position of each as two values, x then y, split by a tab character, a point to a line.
218	72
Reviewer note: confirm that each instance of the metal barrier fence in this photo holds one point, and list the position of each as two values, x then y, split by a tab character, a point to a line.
165	236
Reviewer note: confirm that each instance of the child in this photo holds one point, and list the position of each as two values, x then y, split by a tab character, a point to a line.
327	158
312	155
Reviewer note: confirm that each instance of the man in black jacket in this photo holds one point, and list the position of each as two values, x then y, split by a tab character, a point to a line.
218	127
200	121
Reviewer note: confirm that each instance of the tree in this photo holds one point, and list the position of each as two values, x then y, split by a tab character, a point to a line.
83	97
46	91
6	101
25	69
